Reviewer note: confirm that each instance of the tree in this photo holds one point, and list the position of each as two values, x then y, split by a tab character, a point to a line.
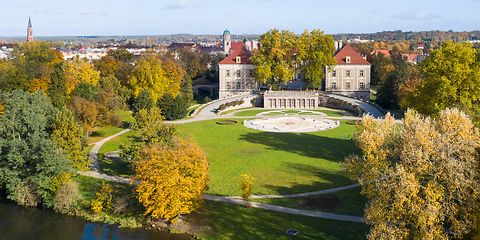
449	79
150	75
57	88
36	59
80	71
68	135
30	162
86	112
87	91
275	61
143	101
388	93
150	128
315	52
173	108
246	185
421	179
12	77
103	201
171	179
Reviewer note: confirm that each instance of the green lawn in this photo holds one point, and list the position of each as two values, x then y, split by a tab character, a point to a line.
348	202
280	162
254	112
102	132
224	221
115	143
114	166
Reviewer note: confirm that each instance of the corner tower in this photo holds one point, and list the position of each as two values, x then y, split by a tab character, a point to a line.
227	42
29	31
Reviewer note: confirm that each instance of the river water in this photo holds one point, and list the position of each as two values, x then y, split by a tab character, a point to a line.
18	223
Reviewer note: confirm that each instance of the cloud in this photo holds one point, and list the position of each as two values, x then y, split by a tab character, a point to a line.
416	16
179	5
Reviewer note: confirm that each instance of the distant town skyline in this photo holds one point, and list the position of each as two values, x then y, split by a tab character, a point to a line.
121	17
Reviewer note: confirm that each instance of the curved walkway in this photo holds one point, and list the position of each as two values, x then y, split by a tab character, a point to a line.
95	173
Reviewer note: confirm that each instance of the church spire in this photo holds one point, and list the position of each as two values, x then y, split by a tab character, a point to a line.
29	30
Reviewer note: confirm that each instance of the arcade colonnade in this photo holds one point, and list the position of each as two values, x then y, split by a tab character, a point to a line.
290	100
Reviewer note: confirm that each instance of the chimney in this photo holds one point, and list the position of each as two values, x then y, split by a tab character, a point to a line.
340	45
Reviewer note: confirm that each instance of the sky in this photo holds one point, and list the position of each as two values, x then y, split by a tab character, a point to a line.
150	17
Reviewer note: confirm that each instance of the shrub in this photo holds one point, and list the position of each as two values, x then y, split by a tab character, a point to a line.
25	195
103	202
207	99
66	197
246	185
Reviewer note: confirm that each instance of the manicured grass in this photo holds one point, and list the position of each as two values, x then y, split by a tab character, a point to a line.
115	143
102	132
348	202
254	112
224	221
280	162
114	167
126	116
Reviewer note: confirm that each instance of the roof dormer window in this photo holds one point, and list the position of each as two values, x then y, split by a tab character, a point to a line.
238	59
348	59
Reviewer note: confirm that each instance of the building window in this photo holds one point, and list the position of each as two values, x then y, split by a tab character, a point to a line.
348	59
362	73
334	73
347	85
239	85
250	73
238	73
228	85
228	73
362	85
334	86
347	73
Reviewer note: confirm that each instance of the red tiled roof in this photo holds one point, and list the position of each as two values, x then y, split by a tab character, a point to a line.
348	51
385	52
410	57
238	49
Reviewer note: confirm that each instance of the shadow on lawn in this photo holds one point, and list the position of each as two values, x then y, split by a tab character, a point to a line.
305	144
224	221
326	179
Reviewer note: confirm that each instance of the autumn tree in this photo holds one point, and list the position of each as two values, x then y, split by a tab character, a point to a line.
171	178
79	71
315	52
421	179
275	59
86	112
156	77
246	185
57	88
68	135
12	77
449	79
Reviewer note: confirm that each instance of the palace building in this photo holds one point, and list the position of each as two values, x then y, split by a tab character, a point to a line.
350	76
236	69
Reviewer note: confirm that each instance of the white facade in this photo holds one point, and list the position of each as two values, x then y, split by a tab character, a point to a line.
349	80
236	79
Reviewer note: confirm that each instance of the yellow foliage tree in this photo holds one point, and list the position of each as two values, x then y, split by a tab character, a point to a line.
79	71
156	77
103	201
246	185
171	178
421	178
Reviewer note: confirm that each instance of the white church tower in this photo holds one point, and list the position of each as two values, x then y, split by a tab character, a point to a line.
227	42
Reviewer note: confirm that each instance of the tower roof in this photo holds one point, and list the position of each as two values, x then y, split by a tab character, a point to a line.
29	22
226	32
